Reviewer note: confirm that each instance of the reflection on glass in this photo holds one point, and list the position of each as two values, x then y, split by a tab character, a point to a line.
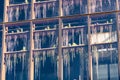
74	37
45	34
71	7
18	13
105	62
102	5
74	31
45	65
103	29
17	42
75	64
45	39
17	37
46	9
16	68
19	1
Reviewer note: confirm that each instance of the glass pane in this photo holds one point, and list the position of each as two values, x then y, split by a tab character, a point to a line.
17	38
18	1
45	65
46	9
105	62
74	31
16	68
104	47
75	63
18	12
46	34
102	5
103	29
71	7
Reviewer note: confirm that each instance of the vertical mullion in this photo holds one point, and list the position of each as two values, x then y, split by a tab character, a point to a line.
60	59
90	77
3	54
31	62
5	19
118	36
89	51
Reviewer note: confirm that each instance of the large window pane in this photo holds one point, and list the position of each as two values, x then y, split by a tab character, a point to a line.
46	9
103	29
17	38
46	34
74	31
18	12
72	7
45	66
102	5
18	1
16	68
105	62
104	47
75	63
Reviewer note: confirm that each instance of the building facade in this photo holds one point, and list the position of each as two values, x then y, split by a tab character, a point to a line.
60	40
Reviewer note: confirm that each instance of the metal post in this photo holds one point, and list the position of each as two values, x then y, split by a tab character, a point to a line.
89	50
5	19
118	36
60	72
89	44
3	56
60	59
31	60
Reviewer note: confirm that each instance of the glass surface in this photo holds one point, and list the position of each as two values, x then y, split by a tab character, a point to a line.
103	29
104	47
72	7
105	62
46	9
16	68
75	63
45	65
18	13
17	38
102	5
19	1
46	34
74	31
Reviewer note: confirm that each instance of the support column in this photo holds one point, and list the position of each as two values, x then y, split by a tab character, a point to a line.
3	66
118	35
60	57
32	16
89	45
89	50
31	60
5	19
